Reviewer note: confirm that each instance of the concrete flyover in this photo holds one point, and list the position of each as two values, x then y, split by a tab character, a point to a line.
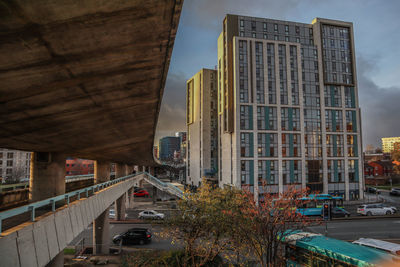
86	77
37	243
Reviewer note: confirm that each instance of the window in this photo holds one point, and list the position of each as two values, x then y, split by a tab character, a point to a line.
352	149
267	145
265	36
287	38
266	118
246	117
268	171
246	144
9	163
265	26
291	171
275	27
253	25
10	155
241	23
287	29
246	171
351	121
297	30
276	37
253	35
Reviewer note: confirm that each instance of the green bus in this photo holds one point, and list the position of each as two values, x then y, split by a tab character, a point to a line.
309	249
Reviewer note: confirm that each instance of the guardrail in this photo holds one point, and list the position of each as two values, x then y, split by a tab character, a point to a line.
166	186
68	179
65	197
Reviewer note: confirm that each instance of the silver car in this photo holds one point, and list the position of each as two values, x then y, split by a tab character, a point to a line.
151	214
374	209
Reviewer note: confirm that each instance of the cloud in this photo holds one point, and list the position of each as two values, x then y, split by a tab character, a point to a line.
210	13
379	105
172	116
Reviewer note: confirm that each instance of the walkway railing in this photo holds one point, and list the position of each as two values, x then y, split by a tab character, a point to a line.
68	179
163	186
65	197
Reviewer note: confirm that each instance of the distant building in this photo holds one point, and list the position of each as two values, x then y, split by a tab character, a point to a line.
14	164
388	143
182	152
74	166
202	127
167	146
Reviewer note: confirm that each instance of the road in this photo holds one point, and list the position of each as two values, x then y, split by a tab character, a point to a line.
382	228
117	228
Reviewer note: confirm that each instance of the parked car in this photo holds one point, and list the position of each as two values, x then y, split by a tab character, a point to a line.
372	190
151	214
136	189
111	214
395	192
374	209
394	209
141	193
339	212
133	236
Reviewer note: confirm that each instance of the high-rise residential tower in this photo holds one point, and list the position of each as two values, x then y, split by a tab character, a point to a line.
288	110
201	112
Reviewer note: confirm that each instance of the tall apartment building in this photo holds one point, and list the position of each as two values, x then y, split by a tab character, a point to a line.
388	143
288	110
14	164
201	112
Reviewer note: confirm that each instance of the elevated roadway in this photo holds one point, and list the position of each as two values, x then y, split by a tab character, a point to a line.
84	78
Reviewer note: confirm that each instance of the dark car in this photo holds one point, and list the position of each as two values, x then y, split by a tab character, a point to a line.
133	236
395	192
338	212
372	190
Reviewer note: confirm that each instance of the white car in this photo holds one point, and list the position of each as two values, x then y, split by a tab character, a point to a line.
374	209
111	214
151	214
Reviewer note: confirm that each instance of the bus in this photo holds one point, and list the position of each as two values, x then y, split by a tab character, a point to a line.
312	205
309	249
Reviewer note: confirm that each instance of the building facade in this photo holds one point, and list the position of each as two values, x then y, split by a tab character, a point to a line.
388	144
202	142
14	164
288	111
75	166
182	136
167	147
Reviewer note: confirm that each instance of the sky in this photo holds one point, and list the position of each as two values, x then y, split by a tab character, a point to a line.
377	46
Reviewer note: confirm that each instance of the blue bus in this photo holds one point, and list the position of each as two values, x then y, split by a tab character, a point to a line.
312	205
308	249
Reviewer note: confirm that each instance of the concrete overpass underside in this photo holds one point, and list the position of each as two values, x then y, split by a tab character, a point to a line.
86	77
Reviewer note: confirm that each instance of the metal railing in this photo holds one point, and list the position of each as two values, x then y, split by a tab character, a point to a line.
65	197
68	179
164	186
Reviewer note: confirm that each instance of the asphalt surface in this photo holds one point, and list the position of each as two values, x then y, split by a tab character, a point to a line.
159	243
349	230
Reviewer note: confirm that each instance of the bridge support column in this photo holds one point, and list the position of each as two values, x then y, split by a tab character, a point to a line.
101	225
47	175
101	234
47	179
120	208
154	194
130	198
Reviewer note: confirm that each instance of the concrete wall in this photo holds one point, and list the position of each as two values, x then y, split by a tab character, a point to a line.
36	243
